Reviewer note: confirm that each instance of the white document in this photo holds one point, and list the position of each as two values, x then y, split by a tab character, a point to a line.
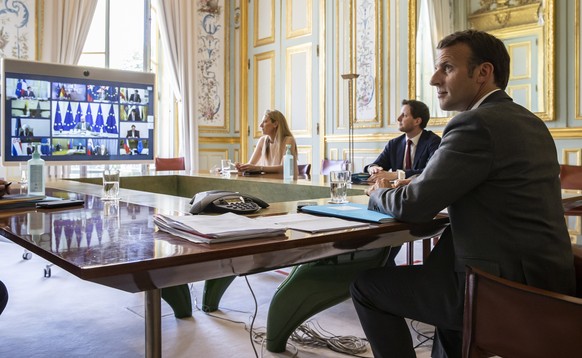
310	223
216	228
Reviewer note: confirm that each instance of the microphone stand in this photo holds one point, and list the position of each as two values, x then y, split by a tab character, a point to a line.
350	77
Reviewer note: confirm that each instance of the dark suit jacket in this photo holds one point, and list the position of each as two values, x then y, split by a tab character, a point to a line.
135	97
132	134
392	157
497	172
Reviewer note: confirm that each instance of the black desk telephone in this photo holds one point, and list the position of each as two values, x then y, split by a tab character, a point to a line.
225	201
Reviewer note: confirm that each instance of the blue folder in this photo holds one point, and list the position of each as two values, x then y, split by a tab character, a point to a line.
349	211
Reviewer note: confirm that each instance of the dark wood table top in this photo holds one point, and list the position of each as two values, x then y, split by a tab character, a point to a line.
118	245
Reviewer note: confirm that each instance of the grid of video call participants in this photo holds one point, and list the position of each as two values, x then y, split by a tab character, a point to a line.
75	121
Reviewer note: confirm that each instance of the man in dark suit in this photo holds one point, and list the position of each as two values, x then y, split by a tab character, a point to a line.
412	121
83	126
496	171
29	93
414	116
135	97
132	133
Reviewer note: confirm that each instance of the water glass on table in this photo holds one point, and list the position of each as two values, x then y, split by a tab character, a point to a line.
225	165
338	185
23	181
110	184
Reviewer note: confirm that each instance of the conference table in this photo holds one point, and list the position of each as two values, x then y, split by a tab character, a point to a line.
116	244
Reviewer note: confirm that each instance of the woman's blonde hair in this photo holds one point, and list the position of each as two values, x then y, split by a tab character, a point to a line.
283	130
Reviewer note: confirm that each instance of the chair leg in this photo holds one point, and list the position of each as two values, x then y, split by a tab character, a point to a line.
313	287
213	291
178	297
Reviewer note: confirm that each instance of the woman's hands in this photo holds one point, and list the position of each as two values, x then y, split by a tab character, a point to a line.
247	167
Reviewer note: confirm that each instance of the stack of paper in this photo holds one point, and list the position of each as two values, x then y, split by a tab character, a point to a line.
216	228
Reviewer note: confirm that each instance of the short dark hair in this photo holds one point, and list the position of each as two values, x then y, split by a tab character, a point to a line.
418	109
484	48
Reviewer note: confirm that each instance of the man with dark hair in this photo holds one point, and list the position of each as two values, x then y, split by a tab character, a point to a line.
410	151
496	171
132	133
135	97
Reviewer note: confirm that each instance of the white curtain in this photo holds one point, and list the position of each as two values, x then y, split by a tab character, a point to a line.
178	35
441	15
66	25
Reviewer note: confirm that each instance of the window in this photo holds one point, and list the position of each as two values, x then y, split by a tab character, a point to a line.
124	35
117	36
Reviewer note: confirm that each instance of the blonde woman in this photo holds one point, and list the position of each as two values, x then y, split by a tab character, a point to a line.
270	149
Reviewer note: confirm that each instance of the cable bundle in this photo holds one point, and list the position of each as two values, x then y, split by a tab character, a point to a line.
309	335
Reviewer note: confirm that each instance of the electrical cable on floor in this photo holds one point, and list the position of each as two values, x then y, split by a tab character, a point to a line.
312	334
254	316
309	334
422	337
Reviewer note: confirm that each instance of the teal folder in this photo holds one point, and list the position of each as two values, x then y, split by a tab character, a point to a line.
349	211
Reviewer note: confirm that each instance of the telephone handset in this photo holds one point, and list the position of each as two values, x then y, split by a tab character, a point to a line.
225	201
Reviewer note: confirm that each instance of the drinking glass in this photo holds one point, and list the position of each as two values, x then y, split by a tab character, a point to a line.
111	184
225	167
23	181
338	185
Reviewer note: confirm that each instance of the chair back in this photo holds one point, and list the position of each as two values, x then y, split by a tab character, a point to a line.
577	250
170	164
510	319
304	169
330	165
571	176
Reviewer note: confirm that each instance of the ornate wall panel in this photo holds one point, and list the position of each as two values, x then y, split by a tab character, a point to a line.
209	158
298	18
298	97
578	58
527	70
305	155
362	157
264	25
212	90
572	156
18	36
359	26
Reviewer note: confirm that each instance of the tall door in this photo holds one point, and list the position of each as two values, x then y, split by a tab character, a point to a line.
283	64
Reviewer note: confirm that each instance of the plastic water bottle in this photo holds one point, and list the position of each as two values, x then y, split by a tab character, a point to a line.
36	175
288	171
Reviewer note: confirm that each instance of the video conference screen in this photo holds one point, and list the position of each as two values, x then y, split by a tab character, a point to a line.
76	114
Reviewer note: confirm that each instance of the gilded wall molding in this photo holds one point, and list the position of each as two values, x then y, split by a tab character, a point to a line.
271	37
577	55
219	140
572	156
305	11
258	115
566	133
306	50
502	16
367	138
